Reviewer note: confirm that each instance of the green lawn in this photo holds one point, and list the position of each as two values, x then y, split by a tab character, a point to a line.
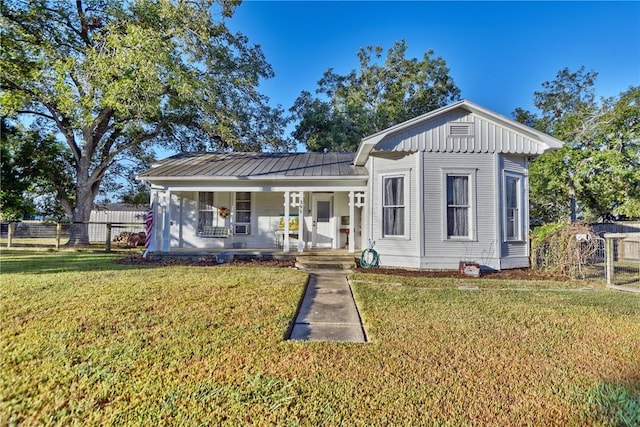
88	341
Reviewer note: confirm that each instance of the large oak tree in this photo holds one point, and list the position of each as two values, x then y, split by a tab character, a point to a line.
113	78
383	92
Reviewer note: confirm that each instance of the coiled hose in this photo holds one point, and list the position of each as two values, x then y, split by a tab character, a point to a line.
369	258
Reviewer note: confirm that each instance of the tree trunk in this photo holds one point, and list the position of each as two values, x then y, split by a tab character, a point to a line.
79	230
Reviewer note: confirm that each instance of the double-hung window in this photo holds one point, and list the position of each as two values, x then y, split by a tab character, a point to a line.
206	211
243	212
393	206
512	207
459	200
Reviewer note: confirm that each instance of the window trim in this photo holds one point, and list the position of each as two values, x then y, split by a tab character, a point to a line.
405	183
200	229
472	217
236	210
519	237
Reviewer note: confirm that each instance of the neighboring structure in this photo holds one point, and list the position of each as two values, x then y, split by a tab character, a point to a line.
445	187
119	213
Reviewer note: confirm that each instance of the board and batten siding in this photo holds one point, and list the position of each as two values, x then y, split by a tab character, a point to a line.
395	251
443	253
488	137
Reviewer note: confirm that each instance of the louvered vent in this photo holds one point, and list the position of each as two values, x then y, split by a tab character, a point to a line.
460	129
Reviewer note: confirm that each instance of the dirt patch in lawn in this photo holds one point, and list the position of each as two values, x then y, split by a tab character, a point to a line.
209	261
513	274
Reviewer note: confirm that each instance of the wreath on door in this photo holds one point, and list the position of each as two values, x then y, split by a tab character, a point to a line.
223	213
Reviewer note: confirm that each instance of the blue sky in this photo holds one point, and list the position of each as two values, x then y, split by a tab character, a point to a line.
498	53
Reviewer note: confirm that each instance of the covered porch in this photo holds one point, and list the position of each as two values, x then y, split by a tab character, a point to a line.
282	220
281	201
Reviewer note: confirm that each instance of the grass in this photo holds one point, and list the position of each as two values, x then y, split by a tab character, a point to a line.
87	341
627	273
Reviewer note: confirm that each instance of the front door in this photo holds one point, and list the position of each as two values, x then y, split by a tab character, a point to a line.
322	226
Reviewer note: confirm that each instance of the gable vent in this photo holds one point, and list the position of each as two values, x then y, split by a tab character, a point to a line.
460	129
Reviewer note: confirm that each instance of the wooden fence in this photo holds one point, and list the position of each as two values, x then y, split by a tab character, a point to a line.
52	233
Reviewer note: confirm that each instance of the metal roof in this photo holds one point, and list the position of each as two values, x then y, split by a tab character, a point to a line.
255	165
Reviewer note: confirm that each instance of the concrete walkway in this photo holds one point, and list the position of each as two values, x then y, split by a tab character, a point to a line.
328	311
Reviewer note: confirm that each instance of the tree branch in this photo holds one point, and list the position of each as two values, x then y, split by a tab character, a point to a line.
108	156
36	113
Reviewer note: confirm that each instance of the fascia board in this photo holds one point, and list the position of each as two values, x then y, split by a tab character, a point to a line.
252	178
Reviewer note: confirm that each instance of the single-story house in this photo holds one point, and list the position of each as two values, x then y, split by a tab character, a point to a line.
448	186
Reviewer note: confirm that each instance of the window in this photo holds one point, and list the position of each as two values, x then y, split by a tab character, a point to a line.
393	206
512	207
458	204
206	211
243	212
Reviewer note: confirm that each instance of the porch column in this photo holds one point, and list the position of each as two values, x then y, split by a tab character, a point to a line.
352	220
285	237
166	232
356	200
301	241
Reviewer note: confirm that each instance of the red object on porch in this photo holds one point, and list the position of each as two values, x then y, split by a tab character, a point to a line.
148	226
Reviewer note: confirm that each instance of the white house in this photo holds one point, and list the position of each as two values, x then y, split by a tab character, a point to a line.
448	186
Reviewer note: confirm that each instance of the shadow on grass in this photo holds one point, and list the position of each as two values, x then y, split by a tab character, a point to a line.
35	261
78	260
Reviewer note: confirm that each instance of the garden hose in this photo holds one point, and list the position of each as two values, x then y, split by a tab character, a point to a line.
369	258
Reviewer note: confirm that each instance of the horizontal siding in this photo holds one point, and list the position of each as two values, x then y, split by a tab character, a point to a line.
516	164
513	163
439	251
390	247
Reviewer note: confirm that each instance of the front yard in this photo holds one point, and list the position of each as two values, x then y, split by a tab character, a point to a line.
88	341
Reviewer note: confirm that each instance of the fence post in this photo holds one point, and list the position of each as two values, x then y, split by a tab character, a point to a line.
58	234
609	259
11	227
108	241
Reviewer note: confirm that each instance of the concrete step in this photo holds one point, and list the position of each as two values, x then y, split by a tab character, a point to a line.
325	262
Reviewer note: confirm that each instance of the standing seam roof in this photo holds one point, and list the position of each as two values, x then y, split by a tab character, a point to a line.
256	165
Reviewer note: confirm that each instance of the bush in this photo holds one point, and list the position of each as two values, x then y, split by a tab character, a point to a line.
555	248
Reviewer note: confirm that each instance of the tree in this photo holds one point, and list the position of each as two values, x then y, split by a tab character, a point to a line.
597	169
26	169
115	78
607	172
14	203
371	99
136	195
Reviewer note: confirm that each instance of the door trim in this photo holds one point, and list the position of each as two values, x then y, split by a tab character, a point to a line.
315	198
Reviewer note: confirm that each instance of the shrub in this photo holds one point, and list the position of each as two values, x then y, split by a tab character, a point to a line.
555	248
